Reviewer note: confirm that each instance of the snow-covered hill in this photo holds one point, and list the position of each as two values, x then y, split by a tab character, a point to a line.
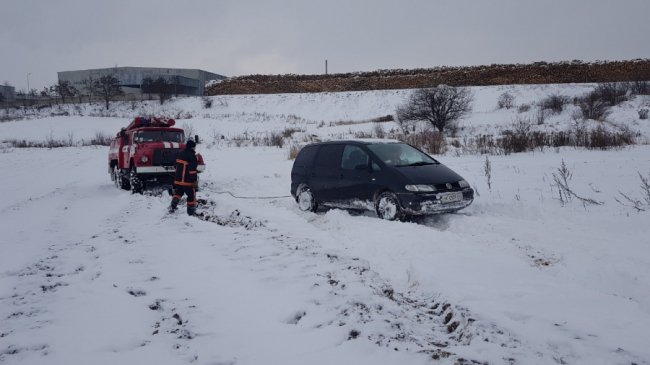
93	274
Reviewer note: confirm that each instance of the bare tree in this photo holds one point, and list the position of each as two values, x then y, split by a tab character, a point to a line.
108	87
89	86
440	106
163	88
64	90
147	86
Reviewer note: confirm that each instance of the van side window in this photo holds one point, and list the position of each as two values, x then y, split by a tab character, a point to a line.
329	156
353	157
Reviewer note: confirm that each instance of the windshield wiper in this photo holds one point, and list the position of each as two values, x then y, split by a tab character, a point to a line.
421	163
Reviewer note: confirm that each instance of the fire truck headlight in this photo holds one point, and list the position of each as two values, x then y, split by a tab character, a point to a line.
144	159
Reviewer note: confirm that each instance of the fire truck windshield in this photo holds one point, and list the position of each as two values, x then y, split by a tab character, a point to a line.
158	136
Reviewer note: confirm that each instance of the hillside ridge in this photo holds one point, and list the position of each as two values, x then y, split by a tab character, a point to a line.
487	75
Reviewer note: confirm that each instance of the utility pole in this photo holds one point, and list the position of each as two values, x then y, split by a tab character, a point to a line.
29	73
325	67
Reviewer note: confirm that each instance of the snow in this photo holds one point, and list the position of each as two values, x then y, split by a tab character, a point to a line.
93	274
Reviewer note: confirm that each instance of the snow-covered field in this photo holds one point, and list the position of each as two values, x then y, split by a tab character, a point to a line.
93	274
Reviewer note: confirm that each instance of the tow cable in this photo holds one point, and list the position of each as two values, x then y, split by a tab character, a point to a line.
239	197
251	197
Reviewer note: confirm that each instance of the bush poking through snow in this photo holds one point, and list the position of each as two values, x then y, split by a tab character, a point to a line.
207	102
565	193
101	139
612	93
642	204
506	100
643	114
554	103
640	88
429	141
487	171
293	152
189	130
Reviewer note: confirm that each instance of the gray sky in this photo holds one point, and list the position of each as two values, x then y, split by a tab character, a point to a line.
239	37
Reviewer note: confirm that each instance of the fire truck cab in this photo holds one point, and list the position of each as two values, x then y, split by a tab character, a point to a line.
145	152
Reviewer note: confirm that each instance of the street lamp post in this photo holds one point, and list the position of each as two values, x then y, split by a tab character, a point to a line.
29	73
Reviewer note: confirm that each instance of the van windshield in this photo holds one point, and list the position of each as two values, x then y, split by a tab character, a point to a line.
400	155
158	136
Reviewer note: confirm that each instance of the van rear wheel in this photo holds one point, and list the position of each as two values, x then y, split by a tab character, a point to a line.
387	206
305	199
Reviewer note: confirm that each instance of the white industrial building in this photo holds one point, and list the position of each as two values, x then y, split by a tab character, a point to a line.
185	81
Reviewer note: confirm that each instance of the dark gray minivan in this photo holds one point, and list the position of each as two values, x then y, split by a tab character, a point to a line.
392	178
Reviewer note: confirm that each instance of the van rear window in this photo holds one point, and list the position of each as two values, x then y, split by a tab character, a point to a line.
306	156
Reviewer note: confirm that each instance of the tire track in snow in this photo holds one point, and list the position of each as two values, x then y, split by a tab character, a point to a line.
363	302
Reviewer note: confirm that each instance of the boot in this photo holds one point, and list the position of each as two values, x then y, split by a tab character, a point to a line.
173	205
191	210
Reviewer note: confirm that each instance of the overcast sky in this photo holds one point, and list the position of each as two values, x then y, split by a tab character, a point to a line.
240	37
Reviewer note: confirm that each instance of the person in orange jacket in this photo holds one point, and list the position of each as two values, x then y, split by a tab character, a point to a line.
185	178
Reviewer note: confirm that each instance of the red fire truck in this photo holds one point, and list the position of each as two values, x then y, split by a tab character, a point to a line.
145	152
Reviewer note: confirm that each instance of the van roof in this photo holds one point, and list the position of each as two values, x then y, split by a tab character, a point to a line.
359	141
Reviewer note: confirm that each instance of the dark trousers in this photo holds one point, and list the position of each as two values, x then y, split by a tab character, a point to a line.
190	191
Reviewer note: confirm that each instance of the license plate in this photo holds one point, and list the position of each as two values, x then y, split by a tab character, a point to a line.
450	197
170	168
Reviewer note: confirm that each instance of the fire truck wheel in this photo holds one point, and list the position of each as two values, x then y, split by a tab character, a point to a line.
137	185
120	181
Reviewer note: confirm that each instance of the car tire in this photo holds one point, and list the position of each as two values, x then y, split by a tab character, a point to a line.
387	206
305	199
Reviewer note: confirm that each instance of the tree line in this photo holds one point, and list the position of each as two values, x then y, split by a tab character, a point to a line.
107	88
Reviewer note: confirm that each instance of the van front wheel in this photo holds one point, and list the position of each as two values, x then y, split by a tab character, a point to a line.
387	206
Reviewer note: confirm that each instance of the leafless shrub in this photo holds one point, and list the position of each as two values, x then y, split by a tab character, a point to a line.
487	171
640	88
506	100
362	135
207	102
101	139
612	93
523	108
288	132
22	143
643	203
429	141
293	151
565	193
189	129
643	114
70	139
554	102
517	139
378	131
540	115
274	139
593	107
601	138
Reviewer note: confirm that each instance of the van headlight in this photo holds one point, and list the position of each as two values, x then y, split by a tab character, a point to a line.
463	184
421	188
144	159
